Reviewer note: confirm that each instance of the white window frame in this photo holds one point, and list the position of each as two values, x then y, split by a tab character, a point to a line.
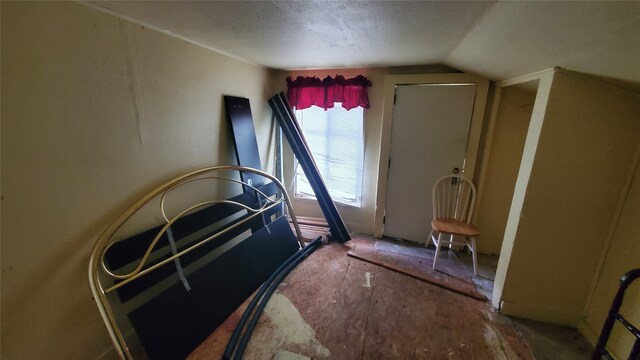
305	192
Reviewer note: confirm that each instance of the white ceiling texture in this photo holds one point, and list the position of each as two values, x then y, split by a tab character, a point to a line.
499	40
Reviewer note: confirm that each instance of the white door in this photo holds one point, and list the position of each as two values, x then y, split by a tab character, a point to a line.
429	134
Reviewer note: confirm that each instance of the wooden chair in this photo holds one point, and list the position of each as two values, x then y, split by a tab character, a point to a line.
453	199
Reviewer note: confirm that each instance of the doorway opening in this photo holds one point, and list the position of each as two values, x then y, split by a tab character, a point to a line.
504	144
503	163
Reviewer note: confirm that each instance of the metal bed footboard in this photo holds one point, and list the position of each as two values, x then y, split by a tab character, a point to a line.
613	316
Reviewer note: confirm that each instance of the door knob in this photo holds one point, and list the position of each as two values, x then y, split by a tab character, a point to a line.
456	171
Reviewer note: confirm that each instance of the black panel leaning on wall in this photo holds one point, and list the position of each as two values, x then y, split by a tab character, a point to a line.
244	137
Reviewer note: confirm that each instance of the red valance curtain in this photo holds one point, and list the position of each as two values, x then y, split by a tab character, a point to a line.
304	92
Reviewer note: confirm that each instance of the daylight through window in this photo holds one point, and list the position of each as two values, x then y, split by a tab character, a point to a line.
336	140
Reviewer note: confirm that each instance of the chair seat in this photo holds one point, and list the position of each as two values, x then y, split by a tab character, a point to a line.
454	227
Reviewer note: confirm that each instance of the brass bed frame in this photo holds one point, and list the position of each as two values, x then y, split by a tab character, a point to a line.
104	280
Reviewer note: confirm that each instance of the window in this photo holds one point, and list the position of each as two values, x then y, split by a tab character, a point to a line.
336	140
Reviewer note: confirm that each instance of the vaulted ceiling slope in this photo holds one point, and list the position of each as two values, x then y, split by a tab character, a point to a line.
499	40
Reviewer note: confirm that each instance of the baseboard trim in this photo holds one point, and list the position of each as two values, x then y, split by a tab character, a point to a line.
110	353
588	332
540	313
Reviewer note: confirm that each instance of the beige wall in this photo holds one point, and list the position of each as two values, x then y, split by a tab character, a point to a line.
511	125
95	111
357	219
565	208
622	255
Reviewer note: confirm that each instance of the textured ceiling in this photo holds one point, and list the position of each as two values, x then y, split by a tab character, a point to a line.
499	40
516	38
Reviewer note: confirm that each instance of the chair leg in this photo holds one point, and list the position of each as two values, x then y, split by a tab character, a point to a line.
475	259
435	256
429	239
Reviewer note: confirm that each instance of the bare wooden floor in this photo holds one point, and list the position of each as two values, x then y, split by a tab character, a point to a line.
336	307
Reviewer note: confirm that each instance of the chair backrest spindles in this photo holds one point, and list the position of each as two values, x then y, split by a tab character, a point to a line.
454	198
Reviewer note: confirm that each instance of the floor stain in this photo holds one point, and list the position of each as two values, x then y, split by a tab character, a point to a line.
287	319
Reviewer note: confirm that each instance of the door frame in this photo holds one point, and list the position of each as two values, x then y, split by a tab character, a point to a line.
390	84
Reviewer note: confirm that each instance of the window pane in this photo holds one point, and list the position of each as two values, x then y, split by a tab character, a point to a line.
336	140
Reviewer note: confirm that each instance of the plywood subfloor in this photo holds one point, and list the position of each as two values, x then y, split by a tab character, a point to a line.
336	307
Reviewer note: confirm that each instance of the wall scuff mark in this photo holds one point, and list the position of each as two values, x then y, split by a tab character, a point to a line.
132	75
